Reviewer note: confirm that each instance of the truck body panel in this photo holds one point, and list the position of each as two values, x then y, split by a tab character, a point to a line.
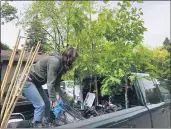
123	118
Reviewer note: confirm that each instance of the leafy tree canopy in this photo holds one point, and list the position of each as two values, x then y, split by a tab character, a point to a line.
110	45
8	12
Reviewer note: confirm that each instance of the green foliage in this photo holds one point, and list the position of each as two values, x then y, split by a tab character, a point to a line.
8	12
165	65
155	61
167	44
35	34
5	47
110	45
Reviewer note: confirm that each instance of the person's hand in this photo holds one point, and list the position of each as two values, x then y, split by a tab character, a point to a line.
54	103
57	110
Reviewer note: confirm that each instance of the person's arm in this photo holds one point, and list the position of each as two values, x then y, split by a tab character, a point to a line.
57	86
52	69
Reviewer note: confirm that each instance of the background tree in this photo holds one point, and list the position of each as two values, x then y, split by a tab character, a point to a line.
5	47
166	44
8	12
35	34
165	76
47	14
116	36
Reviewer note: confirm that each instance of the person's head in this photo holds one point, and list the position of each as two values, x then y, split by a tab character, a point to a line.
70	56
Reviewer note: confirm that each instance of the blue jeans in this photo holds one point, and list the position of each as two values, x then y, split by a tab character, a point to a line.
39	100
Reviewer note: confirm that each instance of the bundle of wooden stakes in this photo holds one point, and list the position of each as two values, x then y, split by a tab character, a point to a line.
15	89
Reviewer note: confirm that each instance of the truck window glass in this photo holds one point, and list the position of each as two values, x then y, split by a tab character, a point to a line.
70	84
151	91
117	95
62	84
164	91
136	85
132	94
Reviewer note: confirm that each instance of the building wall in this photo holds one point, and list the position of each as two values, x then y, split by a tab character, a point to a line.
4	67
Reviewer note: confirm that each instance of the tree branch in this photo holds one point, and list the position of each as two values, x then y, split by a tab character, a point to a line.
59	34
49	34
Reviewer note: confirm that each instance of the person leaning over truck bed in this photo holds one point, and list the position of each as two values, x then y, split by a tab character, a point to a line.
48	70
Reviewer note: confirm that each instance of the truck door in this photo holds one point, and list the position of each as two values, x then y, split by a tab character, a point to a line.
155	103
166	97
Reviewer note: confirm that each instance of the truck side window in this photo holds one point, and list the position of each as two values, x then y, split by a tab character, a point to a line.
138	91
134	96
164	92
151	91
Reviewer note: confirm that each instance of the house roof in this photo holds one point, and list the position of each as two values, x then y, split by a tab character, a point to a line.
6	54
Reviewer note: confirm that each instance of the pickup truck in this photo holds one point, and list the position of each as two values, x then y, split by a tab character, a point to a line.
147	107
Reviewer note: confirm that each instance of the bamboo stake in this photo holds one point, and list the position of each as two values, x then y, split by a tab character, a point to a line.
18	70
15	81
3	122
24	69
27	64
15	76
10	63
32	61
19	83
16	88
9	92
24	74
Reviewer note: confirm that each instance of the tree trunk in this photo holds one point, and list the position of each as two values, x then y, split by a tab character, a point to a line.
126	92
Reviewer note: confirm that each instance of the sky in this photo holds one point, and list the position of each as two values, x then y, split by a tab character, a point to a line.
156	19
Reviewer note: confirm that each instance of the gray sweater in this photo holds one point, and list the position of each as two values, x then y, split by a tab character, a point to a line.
48	70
